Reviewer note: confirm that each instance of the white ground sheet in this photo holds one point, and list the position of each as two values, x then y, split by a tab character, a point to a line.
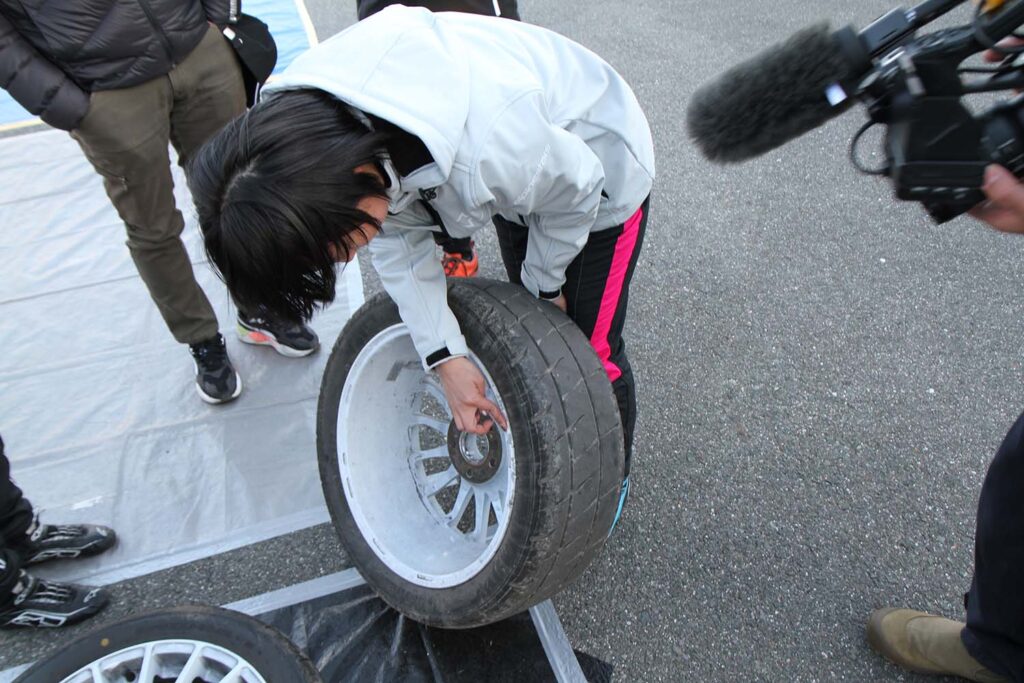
97	403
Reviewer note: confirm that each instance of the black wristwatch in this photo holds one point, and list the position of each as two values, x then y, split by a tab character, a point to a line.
549	296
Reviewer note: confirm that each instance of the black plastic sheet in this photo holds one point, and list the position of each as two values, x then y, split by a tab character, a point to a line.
352	635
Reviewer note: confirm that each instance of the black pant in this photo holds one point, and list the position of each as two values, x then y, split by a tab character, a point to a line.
995	604
15	519
509	8
597	293
454	245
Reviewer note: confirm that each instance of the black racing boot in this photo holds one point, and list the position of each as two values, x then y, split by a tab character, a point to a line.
63	541
40	603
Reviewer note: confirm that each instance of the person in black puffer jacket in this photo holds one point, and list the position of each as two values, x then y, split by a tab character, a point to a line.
54	54
127	77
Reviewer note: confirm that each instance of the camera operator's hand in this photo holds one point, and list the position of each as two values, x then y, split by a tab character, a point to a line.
1004	209
993	56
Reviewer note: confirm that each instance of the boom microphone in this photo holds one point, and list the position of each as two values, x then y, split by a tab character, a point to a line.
778	95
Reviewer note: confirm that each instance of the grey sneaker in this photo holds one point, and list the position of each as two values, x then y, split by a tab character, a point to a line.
216	379
288	339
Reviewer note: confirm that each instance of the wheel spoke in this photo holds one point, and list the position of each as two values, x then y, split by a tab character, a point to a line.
483	509
97	673
461	503
435	482
421	454
235	675
193	667
498	503
148	669
421	420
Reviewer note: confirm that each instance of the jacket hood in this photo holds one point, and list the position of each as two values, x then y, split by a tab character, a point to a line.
364	65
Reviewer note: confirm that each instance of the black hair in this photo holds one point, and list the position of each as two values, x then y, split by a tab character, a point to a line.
275	190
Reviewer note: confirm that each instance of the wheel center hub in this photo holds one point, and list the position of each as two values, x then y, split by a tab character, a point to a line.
476	457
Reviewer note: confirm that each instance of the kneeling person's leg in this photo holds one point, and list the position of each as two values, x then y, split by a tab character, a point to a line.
15	509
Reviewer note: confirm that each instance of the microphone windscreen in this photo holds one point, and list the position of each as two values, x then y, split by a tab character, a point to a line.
769	99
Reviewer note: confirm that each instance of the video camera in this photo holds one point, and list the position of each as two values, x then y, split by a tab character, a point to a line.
936	150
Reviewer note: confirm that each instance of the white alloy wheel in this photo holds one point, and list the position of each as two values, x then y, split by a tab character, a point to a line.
433	502
181	661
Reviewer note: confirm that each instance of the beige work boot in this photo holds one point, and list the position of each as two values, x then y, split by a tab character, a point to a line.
925	643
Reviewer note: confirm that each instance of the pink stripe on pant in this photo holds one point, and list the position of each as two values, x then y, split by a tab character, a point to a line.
624	247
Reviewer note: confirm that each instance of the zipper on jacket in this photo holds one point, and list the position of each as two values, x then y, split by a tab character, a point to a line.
425	197
144	4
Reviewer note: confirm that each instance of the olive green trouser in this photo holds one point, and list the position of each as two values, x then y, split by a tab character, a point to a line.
125	136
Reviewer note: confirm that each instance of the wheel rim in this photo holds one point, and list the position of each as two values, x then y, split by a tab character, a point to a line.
433	504
178	660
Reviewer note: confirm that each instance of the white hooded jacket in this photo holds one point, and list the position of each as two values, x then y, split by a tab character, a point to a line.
519	121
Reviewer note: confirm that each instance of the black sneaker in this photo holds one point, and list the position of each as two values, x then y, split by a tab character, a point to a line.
216	380
50	604
63	541
288	339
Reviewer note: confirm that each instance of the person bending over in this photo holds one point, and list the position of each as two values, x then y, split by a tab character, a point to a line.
411	123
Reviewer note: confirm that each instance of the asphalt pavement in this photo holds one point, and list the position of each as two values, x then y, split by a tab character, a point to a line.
823	376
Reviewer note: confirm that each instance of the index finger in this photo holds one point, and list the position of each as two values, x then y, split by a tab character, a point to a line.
492	410
469	422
